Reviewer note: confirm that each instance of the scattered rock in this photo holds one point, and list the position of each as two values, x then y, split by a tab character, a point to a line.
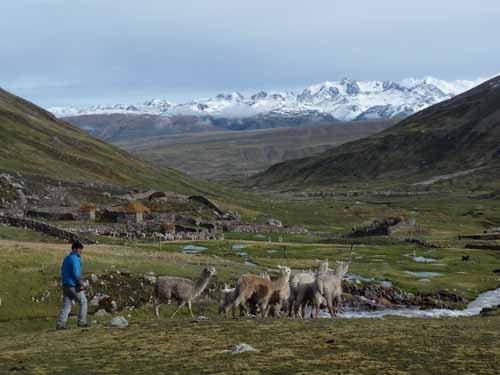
17	369
101	313
94	278
490	311
150	277
274	222
119	322
243	348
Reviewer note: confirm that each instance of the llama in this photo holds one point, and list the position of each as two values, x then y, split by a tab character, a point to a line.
260	288
300	289
227	299
329	287
183	291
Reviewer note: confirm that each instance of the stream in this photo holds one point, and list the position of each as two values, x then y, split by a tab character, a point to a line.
486	299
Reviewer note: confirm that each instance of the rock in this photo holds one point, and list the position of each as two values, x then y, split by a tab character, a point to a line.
243	348
490	311
150	277
94	278
101	312
22	198
274	222
119	322
383	301
114	306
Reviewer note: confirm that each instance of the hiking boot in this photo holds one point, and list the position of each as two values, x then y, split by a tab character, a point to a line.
83	325
59	328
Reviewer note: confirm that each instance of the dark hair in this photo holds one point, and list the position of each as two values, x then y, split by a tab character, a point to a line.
76	245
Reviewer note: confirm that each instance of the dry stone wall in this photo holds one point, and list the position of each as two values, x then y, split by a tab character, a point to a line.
42	227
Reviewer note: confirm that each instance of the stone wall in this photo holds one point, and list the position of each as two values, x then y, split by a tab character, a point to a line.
261	228
42	227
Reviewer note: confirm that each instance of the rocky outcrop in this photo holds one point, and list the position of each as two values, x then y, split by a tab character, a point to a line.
208	203
382	227
374	296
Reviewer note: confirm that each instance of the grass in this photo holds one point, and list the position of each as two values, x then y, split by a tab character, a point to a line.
392	345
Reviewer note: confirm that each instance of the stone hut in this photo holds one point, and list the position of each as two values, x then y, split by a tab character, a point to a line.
87	212
134	212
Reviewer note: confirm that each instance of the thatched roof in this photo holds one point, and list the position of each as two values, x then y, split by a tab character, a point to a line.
135	207
88	208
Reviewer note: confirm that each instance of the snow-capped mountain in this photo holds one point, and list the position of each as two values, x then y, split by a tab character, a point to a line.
344	100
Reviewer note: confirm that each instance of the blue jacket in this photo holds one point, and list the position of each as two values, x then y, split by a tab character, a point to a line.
71	270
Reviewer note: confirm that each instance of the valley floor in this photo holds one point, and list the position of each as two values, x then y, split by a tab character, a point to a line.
30	294
383	346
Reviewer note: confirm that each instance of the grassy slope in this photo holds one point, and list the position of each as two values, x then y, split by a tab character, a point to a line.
229	154
35	142
457	135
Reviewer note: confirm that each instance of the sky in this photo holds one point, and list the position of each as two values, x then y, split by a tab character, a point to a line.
84	52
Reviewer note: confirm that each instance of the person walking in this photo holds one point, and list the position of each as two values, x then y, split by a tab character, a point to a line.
72	286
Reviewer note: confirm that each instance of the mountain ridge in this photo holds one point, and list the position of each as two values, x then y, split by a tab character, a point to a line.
344	100
458	134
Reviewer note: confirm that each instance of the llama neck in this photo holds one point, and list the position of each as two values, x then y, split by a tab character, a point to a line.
280	281
200	285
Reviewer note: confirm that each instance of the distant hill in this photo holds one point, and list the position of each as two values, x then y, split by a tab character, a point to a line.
234	155
35	142
119	127
456	138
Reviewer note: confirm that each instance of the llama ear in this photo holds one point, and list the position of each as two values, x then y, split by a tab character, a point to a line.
279	267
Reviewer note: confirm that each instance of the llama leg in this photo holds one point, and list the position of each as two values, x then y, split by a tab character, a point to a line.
190	310
236	303
265	307
338	305
178	308
157	308
277	310
329	303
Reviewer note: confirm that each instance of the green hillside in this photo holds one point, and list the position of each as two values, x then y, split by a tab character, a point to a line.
36	143
456	138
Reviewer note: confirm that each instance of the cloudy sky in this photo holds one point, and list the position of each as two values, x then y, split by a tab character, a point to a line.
81	52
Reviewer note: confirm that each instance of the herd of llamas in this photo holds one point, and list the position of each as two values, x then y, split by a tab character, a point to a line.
261	294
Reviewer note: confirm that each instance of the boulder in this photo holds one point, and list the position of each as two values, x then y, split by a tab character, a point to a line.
242	348
274	222
119	322
101	313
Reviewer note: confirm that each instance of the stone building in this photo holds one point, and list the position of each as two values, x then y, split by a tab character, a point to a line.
134	212
87	212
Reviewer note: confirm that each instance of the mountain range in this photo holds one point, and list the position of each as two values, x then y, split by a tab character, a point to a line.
455	139
344	100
